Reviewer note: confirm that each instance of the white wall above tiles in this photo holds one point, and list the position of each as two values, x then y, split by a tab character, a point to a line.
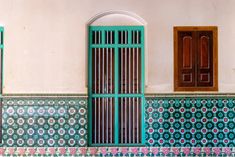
45	41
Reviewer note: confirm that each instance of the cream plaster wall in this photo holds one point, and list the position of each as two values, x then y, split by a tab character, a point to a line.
45	40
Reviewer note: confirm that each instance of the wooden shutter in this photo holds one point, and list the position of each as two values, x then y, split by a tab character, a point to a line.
195	62
186	59
204	58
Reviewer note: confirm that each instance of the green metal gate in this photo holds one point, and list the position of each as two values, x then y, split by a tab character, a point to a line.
116	85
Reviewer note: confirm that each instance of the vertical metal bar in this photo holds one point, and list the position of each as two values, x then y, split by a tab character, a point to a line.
99	99
99	117
107	86
121	92
125	120
125	97
129	72
121	74
99	72
125	70
95	89
129	91
128	41
125	37
103	93
134	51
137	80
125	91
103	77
111	82
133	91
137	68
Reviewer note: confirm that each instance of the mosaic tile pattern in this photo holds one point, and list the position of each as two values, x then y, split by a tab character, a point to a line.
170	122
119	151
190	122
44	122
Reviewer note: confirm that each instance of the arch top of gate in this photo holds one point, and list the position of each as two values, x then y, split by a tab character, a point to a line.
116	17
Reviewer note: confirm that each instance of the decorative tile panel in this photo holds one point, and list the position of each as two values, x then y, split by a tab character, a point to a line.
170	123
119	151
49	122
190	122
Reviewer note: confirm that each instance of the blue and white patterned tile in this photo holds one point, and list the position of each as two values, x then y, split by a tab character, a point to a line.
48	122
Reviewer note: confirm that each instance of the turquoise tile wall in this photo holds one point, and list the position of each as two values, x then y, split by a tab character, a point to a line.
190	122
170	122
44	122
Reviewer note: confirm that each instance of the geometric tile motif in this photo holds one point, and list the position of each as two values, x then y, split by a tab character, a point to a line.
190	122
45	122
119	151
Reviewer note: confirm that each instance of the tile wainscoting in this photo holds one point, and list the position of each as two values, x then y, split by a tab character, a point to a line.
44	122
175	126
190	122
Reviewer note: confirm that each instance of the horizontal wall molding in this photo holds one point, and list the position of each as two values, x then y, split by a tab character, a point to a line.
45	95
162	95
189	95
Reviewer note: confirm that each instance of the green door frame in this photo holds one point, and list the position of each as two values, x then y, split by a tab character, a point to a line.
2	52
116	95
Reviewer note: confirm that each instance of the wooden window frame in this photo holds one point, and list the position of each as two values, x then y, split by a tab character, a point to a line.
116	95
214	29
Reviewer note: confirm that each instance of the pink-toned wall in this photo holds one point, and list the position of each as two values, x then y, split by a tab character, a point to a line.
45	41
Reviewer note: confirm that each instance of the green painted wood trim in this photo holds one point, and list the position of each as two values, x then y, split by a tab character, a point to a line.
90	89
2	59
118	45
116	28
143	84
116	94
102	37
129	39
116	88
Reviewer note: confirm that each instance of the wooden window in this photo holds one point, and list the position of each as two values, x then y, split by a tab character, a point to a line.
195	59
116	85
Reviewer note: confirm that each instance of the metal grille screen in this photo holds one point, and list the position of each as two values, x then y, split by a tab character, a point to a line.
116	81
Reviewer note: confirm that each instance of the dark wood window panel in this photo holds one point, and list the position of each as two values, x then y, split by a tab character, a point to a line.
195	58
